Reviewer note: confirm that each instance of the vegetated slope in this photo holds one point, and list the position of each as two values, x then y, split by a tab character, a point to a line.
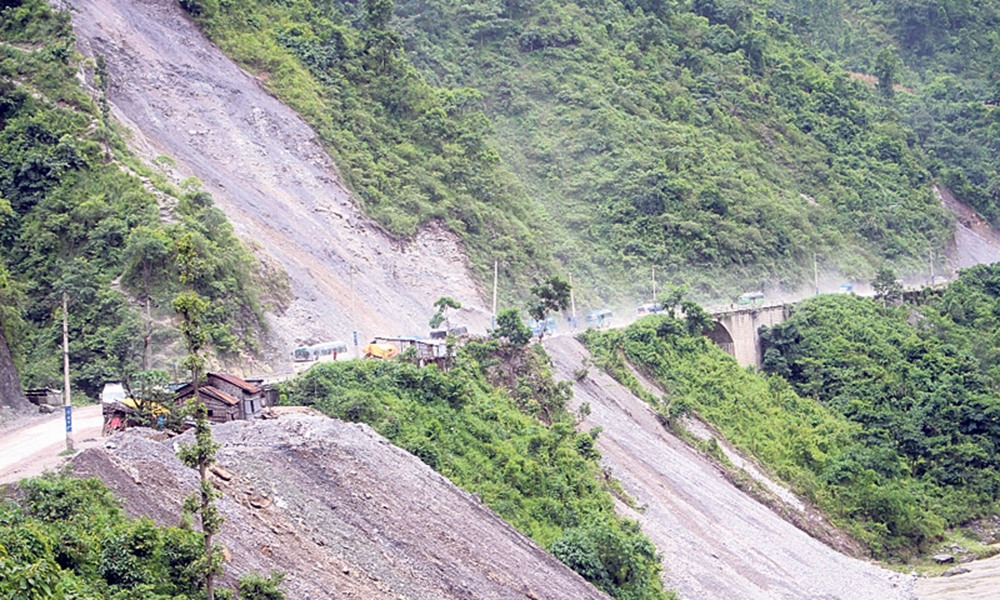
940	63
495	423
183	98
708	140
343	512
920	381
704	138
79	215
716	541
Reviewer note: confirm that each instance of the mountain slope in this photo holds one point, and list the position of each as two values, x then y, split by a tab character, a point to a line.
181	97
345	513
716	541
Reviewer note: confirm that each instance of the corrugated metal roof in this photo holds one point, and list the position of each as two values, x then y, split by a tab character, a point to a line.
207	390
230	379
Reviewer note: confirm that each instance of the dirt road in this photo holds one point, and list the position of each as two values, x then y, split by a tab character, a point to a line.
29	449
716	541
183	98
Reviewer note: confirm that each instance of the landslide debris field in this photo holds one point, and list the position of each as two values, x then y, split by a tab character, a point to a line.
341	510
181	97
717	542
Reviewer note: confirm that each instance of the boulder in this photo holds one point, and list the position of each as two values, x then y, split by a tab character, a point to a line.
943	558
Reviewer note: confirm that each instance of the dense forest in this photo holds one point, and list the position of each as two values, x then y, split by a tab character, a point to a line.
723	142
886	417
495	423
80	216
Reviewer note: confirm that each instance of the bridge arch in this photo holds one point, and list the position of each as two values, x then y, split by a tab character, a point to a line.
722	338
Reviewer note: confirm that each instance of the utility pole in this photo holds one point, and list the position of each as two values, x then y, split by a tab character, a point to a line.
653	270
930	252
815	274
496	271
572	299
67	406
354	322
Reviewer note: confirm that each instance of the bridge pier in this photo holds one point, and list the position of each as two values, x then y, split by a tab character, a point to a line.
737	331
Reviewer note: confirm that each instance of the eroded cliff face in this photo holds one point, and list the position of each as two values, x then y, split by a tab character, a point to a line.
11	395
341	510
181	97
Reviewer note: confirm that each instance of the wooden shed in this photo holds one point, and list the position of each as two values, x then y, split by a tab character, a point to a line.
227	398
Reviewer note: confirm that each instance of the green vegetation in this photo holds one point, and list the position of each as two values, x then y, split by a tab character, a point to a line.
802	442
67	538
887	418
75	216
720	141
496	425
946	64
410	151
926	404
200	455
62	537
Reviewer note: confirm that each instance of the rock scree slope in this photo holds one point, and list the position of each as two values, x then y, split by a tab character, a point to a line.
716	541
182	97
341	510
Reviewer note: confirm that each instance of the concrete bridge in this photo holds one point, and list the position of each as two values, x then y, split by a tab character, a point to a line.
737	332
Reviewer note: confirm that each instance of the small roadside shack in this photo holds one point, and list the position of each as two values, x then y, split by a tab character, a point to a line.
428	351
227	398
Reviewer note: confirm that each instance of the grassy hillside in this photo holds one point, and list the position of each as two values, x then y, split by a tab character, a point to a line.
886	418
722	142
495	424
78	216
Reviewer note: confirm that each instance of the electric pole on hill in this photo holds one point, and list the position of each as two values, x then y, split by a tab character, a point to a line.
354	322
496	271
67	407
572	301
815	274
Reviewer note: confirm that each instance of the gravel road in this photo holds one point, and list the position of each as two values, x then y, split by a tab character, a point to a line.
717	542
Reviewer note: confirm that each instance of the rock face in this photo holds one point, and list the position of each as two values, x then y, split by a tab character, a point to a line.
341	510
182	97
11	394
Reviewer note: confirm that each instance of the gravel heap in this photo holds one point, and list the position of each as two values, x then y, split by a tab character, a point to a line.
338	508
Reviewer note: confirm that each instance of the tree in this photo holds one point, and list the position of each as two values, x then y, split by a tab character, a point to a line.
671	297
510	329
255	587
201	455
444	304
887	288
149	390
696	319
146	258
553	295
886	67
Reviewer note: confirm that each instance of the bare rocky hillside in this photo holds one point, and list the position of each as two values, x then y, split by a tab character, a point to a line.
181	97
717	541
341	510
11	397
